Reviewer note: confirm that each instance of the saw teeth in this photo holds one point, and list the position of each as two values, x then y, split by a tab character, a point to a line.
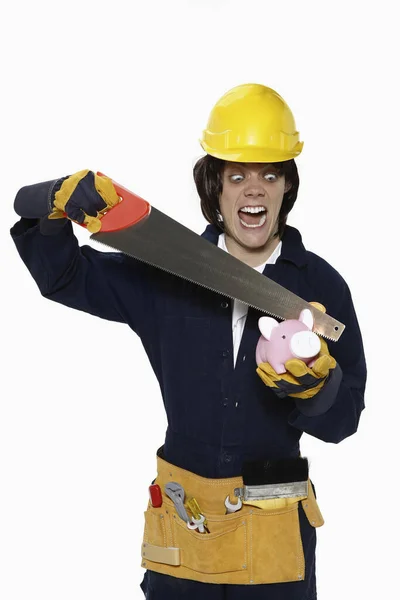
202	285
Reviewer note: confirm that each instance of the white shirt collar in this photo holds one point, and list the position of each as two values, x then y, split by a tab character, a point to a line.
260	268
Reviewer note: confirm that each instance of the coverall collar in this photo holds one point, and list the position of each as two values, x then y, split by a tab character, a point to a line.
292	247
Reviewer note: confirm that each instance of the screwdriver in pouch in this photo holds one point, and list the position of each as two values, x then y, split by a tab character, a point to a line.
194	508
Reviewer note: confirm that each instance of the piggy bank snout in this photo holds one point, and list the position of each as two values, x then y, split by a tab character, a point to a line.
305	344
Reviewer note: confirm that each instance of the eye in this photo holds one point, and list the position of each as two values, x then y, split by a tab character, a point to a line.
284	337
271	176
236	177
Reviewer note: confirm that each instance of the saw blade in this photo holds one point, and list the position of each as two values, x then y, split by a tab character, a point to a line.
166	244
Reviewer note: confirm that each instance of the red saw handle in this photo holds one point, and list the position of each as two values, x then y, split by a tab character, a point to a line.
129	211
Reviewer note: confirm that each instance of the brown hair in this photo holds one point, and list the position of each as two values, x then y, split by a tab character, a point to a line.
208	172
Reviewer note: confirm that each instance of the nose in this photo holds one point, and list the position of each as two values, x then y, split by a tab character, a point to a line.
254	192
254	189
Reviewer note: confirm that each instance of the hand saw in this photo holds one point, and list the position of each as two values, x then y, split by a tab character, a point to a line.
136	228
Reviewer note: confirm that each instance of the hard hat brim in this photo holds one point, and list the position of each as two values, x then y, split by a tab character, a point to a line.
250	155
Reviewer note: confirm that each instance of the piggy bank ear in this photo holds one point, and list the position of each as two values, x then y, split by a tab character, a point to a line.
307	318
266	325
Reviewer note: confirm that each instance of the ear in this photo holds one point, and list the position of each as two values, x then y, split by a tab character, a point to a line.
288	186
266	325
307	318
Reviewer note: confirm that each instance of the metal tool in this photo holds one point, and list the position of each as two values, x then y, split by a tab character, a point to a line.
195	509
197	524
273	490
177	494
140	230
198	517
137	229
231	508
274	483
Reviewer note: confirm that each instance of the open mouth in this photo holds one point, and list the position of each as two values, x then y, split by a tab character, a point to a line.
252	217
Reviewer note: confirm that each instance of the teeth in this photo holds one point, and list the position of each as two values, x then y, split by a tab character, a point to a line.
253	209
260	224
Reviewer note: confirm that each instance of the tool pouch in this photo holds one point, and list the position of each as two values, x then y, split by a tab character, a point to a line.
250	546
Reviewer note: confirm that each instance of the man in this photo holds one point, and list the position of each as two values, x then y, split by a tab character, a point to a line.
202	350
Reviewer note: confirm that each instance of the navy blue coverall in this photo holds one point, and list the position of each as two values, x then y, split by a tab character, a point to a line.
186	331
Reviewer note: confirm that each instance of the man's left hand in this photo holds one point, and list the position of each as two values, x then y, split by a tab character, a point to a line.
299	381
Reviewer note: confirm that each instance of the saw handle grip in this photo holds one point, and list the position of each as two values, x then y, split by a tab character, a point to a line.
129	211
34	202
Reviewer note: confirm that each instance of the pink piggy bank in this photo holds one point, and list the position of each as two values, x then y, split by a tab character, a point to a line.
290	339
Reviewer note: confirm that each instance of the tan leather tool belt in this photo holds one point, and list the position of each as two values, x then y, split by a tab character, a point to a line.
250	546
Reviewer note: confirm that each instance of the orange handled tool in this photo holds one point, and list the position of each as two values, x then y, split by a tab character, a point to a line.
129	211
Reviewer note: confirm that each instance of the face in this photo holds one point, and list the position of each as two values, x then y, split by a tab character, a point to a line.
250	202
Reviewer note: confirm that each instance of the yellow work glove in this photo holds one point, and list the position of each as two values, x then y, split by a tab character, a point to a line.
83	197
300	381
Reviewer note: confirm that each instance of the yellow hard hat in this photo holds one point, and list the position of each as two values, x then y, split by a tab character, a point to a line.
251	123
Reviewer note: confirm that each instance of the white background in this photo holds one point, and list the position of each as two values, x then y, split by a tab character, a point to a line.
126	88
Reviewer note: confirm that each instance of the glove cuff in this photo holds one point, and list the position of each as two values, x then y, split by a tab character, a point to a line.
56	187
324	400
37	200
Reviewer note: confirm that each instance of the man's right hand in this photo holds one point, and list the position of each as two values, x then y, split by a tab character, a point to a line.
82	197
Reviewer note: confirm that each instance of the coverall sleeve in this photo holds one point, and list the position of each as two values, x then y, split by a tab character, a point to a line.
109	285
342	417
